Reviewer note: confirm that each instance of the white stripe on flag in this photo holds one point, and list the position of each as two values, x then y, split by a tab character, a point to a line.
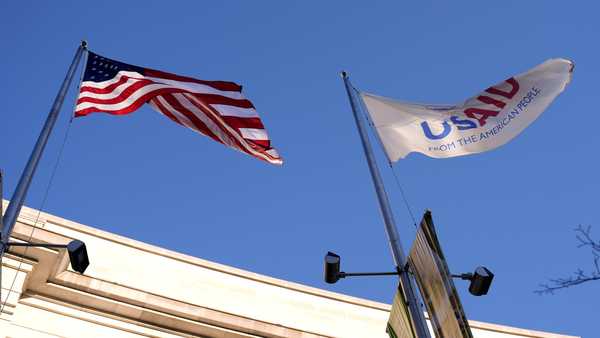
227	128
205	119
227	110
272	152
197	88
254	134
180	117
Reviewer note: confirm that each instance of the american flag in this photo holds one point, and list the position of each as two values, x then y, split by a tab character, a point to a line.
217	109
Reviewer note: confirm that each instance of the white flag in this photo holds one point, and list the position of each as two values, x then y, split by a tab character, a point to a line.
483	122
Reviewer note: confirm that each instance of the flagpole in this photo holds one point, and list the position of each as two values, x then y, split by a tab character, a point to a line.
390	225
18	197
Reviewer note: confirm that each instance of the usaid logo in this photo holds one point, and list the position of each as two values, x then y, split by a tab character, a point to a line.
476	117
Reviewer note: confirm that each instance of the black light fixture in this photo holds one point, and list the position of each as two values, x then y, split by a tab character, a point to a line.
481	280
332	267
332	271
76	249
78	255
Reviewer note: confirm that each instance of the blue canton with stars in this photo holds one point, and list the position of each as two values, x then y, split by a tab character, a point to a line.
100	68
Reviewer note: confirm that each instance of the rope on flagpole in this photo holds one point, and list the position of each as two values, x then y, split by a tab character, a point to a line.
402	192
412	216
41	208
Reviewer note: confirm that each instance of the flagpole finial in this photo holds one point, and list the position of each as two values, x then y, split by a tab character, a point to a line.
84	44
344	74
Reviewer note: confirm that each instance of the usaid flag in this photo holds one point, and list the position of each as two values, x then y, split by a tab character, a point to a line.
483	122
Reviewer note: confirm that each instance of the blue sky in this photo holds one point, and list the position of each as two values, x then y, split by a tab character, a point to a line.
512	209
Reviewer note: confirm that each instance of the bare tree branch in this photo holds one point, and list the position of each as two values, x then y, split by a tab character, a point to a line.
585	240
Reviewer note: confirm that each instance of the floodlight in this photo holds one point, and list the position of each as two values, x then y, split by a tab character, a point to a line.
481	281
332	267
78	255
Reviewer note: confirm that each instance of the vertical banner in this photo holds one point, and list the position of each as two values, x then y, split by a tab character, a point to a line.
435	283
399	324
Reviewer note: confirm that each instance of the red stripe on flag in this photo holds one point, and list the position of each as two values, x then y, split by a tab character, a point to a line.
218	99
201	126
243	122
123	96
128	109
124	111
163	110
264	144
214	115
244	143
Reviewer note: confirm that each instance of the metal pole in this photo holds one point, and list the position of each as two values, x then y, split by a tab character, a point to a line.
388	218
1	197
1	244
18	197
353	274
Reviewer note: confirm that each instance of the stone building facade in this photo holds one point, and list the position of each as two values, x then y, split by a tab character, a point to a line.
121	295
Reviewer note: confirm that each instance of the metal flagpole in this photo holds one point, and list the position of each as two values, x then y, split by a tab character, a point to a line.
1	214
18	197
390	225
